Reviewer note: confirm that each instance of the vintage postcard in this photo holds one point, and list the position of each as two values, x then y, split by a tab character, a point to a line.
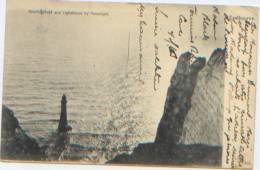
129	84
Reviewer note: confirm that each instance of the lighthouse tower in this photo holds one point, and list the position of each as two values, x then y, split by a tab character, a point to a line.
63	123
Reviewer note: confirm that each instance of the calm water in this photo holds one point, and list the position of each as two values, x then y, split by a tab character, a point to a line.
107	106
105	102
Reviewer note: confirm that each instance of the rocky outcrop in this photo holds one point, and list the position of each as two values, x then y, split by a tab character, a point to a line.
178	101
15	143
156	154
190	86
207	104
57	143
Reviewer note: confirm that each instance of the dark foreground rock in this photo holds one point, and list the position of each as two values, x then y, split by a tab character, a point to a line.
155	154
56	144
15	143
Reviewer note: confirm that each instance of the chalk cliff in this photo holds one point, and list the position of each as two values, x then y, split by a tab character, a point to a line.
194	103
178	101
190	128
203	123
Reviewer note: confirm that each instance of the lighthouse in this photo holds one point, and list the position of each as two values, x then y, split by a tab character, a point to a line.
63	123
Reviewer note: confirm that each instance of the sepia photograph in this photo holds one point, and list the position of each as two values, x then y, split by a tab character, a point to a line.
129	84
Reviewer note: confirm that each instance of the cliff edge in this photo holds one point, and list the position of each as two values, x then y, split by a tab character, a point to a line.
185	100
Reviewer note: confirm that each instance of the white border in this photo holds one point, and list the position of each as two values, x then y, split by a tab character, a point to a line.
29	166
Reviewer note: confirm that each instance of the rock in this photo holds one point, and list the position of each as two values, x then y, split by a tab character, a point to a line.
193	90
157	154
57	143
9	123
15	143
207	104
178	101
